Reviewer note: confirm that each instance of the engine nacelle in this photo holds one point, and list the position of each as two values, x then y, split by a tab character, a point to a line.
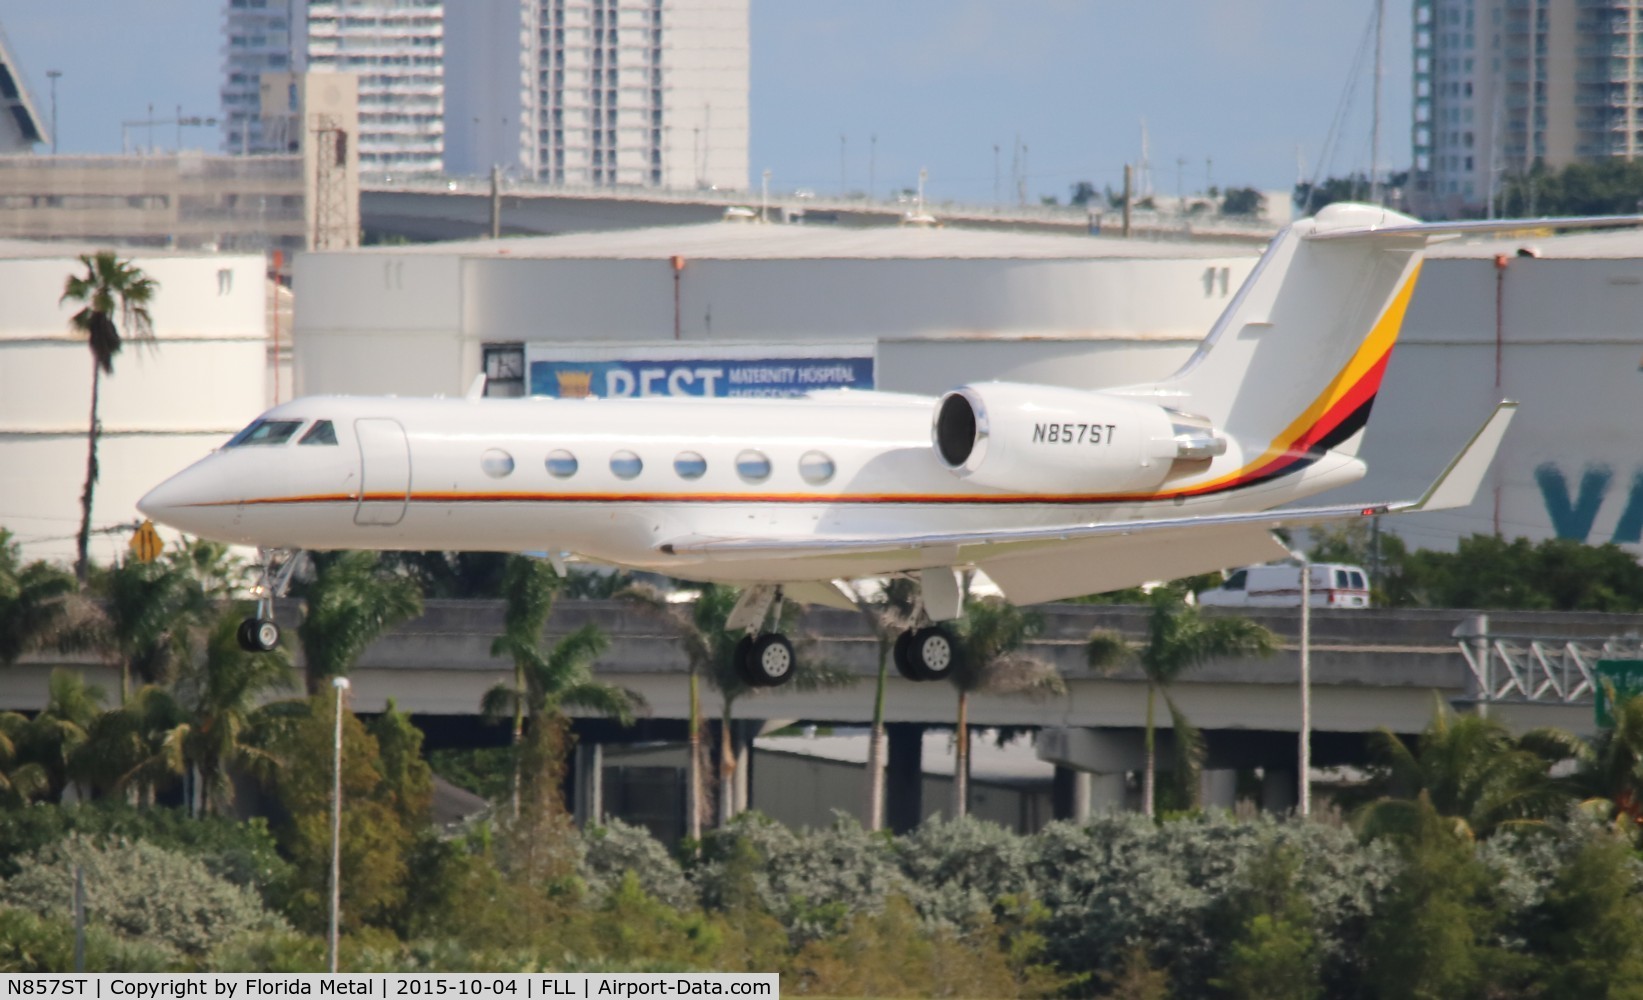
1043	439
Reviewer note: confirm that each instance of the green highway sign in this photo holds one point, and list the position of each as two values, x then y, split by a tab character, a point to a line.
1625	676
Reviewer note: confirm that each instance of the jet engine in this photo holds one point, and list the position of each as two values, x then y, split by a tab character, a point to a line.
1043	439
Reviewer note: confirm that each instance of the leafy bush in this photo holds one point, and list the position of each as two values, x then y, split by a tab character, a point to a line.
139	892
961	870
241	852
618	848
30	942
812	881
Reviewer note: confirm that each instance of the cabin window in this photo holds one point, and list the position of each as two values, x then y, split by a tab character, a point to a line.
1236	581
496	463
690	465
816	468
323	432
265	432
1358	582
561	464
626	465
753	466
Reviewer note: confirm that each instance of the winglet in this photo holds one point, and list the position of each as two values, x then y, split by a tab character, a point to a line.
1458	484
476	388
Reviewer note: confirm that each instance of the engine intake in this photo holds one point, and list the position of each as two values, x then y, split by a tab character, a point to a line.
1042	439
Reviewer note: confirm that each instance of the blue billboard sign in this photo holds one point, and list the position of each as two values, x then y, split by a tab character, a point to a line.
552	373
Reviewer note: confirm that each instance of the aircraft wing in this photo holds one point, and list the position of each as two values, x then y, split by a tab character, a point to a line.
1036	564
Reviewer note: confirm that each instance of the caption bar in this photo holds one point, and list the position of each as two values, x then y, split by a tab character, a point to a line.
390	986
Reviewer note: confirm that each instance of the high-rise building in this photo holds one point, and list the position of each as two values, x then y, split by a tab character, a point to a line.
395	47
646	93
1500	85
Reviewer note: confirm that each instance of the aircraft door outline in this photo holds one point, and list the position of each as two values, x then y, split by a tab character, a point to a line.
384	472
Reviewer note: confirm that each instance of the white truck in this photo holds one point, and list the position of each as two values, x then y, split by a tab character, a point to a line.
1334	585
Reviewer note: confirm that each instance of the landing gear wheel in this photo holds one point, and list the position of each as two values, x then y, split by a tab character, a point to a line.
259	635
903	660
770	660
933	652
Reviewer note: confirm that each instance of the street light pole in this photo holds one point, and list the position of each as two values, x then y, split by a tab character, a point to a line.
1305	763
341	685
52	75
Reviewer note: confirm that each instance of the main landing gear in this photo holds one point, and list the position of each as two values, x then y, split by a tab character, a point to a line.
260	633
926	654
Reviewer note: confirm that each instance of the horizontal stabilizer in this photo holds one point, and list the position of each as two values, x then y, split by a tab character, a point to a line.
1458	484
1399	226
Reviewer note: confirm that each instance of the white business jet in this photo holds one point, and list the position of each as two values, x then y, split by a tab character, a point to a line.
1053	492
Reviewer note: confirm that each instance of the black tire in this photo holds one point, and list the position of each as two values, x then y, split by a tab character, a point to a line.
742	659
243	634
933	652
771	660
265	635
903	660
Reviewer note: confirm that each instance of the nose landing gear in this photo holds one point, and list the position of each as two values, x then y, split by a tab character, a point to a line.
762	659
260	633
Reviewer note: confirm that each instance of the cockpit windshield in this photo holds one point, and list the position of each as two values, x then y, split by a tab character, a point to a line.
265	432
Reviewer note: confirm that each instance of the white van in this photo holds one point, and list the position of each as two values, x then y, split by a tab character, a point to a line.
1334	585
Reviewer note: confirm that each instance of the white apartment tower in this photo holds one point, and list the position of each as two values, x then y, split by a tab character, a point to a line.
1500	85
395	47
601	93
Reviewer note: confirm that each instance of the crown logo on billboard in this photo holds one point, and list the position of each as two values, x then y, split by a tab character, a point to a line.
574	385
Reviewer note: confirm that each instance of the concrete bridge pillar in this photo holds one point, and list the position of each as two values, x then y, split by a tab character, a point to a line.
904	776
589	784
1218	788
1279	790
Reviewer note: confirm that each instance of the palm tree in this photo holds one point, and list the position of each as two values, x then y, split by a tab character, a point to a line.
710	650
350	602
219	697
994	633
1611	768
141	619
122	751
1469	768
53	737
1179	638
547	680
32	605
20	780
888	617
109	285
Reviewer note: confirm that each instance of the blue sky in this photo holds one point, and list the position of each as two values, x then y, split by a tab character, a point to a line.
1241	85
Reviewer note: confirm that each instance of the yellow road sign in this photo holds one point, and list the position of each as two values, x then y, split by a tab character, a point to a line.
145	542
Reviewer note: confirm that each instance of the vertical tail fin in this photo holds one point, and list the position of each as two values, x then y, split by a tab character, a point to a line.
1296	359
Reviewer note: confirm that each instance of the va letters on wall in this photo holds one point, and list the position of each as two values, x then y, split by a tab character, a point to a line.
1573	513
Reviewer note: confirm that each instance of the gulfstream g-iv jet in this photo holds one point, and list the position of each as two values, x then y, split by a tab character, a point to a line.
1053	492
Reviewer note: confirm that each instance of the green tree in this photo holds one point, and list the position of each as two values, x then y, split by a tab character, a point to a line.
141	620
1587	934
1243	201
1428	938
32	605
994	661
109	287
53	736
1468	768
1272	952
351	601
123	752
888	616
1609	186
219	697
1180	637
547	679
375	841
710	651
1611	768
21	781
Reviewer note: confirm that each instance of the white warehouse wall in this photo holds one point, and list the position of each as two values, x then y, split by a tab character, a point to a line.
163	407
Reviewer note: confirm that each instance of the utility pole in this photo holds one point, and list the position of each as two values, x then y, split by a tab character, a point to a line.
52	75
1129	193
341	684
1375	126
